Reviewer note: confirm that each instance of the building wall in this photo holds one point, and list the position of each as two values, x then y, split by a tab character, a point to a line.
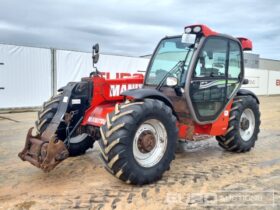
251	60
269	64
25	76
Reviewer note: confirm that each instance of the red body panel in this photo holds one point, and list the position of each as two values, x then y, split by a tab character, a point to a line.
205	30
245	43
97	116
104	101
106	95
216	129
219	127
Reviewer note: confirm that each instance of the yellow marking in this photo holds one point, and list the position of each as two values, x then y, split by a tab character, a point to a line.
50	102
117	109
228	141
121	115
130	104
109	133
127	101
232	147
113	161
111	145
119	173
230	129
105	141
232	117
44	112
41	124
108	121
104	156
234	108
238	100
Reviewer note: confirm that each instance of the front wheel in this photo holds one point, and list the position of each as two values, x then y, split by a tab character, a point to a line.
46	115
244	125
138	141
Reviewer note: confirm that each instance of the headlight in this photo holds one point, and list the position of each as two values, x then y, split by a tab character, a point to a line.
188	30
196	29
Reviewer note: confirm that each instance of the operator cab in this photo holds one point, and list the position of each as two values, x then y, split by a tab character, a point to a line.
203	67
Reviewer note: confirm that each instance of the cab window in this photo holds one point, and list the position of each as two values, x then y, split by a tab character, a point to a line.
212	59
234	68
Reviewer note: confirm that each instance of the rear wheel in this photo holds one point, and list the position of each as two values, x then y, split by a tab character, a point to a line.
45	116
243	128
138	141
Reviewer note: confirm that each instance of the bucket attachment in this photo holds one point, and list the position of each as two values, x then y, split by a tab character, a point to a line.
44	151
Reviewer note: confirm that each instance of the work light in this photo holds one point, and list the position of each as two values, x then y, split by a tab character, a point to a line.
188	30
196	29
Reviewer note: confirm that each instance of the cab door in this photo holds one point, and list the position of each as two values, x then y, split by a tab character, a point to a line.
216	77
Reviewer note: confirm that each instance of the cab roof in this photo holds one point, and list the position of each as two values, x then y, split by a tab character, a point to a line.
206	31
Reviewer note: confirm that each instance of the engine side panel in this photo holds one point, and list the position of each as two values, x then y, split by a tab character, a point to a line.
106	93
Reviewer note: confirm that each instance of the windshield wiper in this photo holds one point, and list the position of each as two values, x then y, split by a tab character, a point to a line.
170	72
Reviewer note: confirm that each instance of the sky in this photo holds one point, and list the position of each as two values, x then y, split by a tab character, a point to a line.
129	27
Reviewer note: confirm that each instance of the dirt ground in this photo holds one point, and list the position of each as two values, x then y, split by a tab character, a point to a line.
201	177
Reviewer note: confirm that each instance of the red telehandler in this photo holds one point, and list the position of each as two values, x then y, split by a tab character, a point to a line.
191	88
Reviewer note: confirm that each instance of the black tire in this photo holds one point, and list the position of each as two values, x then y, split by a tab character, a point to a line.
233	140
77	149
47	112
116	144
45	116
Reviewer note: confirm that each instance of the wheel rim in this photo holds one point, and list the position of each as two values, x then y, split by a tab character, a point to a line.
247	124
149	143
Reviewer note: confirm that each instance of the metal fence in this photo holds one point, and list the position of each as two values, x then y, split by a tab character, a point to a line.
29	76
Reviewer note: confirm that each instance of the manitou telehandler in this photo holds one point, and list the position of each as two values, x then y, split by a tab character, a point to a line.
191	89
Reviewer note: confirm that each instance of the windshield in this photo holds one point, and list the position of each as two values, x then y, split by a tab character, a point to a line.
168	54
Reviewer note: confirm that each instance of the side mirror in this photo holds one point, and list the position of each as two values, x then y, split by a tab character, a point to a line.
245	82
96	48
95	58
95	53
171	81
